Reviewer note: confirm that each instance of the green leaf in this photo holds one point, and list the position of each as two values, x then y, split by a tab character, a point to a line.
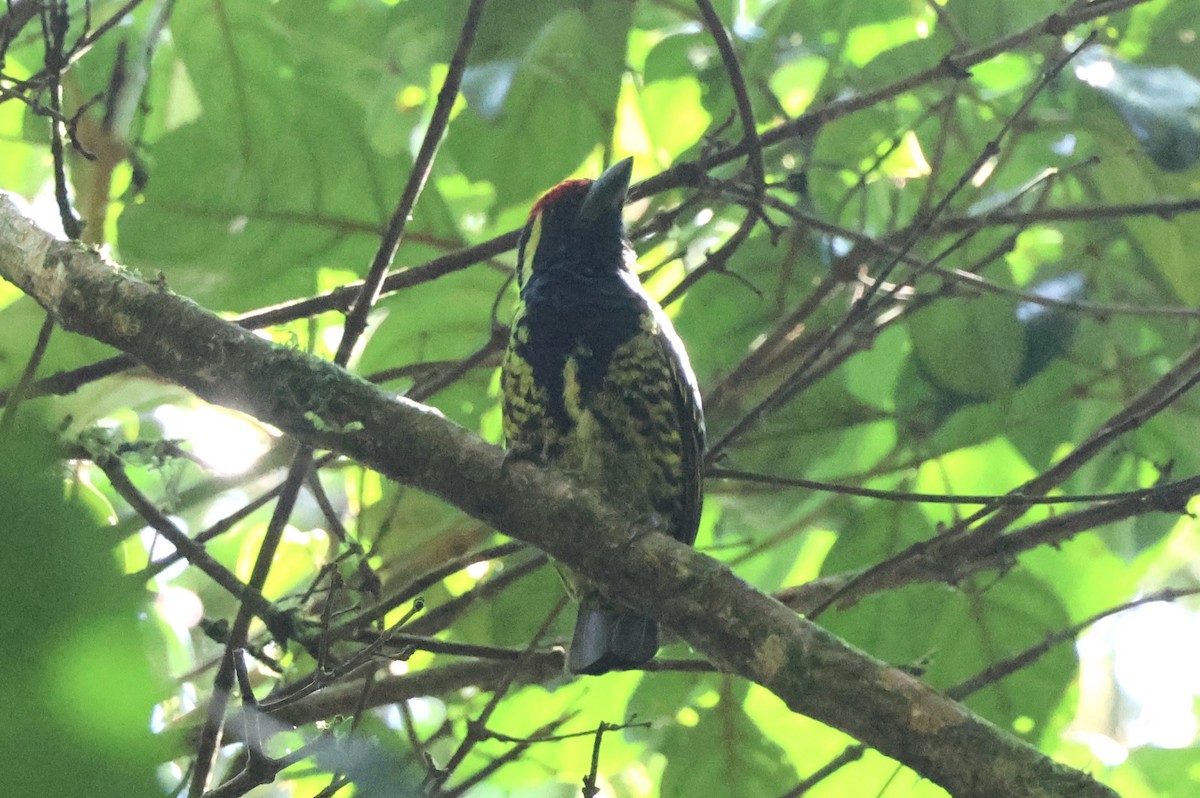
973	348
739	759
984	23
22	322
1168	245
1048	328
963	631
1161	105
811	19
259	195
1171	773
674	115
541	97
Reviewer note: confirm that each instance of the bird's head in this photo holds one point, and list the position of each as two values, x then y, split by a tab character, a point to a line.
577	225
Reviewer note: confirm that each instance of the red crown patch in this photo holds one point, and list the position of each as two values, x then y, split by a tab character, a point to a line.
563	189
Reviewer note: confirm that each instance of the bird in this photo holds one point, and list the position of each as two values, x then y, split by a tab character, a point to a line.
596	382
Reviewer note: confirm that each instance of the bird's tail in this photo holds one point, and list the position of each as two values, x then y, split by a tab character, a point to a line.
610	639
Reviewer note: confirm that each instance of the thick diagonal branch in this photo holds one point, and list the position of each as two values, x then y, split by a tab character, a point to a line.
738	628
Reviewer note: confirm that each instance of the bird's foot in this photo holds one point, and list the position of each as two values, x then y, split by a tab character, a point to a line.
523	453
645	524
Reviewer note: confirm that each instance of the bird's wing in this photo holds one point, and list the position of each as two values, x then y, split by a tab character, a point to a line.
686	396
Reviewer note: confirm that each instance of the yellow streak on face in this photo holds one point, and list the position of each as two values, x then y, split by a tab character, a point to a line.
535	237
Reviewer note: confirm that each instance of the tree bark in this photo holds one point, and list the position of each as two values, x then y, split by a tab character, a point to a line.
738	628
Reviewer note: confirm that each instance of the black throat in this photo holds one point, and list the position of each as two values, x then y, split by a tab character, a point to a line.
580	314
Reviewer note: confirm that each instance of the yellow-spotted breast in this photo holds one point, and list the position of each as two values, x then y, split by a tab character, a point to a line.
596	381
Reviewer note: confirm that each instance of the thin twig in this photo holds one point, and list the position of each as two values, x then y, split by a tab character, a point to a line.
422	583
476	728
440	618
356	321
1014	499
717	260
591	786
185	547
1010	665
1056	24
952	559
55	21
65	382
851	753
990	150
210	738
508	756
27	374
863	305
259	768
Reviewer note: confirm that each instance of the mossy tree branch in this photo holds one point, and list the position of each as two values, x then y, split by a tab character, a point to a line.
738	628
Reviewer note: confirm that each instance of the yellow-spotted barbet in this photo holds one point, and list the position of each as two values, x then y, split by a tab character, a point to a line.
596	382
